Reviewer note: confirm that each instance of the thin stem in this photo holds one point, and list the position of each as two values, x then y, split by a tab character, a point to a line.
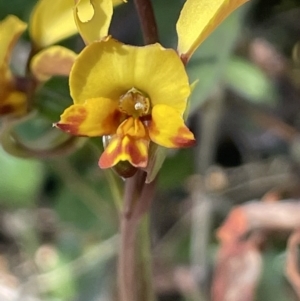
147	19
128	230
126	265
137	200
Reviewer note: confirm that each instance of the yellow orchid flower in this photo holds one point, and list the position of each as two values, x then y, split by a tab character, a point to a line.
91	18
54	60
136	95
45	28
12	101
53	20
133	94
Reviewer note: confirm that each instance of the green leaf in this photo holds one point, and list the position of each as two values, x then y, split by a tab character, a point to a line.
273	285
249	81
210	61
20	180
181	161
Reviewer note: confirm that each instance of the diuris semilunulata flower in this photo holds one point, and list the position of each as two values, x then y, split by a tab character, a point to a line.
133	94
136	95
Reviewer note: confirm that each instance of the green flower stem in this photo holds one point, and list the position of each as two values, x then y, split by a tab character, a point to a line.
147	19
138	197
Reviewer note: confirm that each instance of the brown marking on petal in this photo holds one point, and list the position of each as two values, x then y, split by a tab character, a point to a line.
146	118
72	121
68	128
116	117
152	127
107	158
138	160
79	116
6	109
181	140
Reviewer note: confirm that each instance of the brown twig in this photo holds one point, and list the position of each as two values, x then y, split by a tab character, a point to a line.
147	19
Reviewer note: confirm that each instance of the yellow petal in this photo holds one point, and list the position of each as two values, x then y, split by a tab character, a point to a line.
96	117
15	103
198	19
52	61
93	25
10	30
167	128
129	144
109	69
52	21
11	102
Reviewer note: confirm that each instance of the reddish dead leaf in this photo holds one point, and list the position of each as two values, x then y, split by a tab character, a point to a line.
237	272
282	216
235	226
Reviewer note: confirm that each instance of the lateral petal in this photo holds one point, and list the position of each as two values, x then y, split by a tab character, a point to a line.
51	21
52	61
96	117
11	29
11	101
95	27
198	19
167	128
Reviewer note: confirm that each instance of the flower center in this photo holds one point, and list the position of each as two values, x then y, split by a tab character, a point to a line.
134	103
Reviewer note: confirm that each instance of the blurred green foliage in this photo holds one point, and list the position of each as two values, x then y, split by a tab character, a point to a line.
20	181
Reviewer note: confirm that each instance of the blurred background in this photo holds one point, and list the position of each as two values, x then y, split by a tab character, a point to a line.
225	214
